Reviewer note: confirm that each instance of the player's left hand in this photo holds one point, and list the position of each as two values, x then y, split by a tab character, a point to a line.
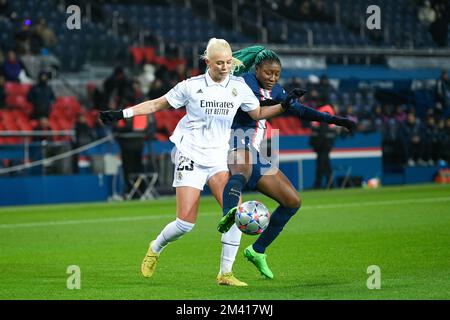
347	123
111	116
293	97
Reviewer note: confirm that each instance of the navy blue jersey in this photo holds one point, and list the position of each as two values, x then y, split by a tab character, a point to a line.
242	119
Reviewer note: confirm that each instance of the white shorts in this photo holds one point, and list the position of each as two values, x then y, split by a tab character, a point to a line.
189	174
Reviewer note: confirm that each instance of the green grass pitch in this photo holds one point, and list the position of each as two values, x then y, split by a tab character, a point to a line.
323	253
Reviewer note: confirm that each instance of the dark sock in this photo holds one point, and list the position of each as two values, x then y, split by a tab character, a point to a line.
232	192
278	220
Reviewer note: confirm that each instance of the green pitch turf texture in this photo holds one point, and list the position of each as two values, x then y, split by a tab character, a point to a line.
323	252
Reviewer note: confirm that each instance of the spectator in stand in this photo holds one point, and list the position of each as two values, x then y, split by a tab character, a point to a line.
136	96
83	135
431	141
6	11
324	88
391	143
443	95
12	67
399	113
157	89
295	82
305	11
318	10
287	8
94	96
43	125
426	14
444	141
116	86
322	141
2	92
349	113
27	41
439	28
411	137
179	74
147	77
46	34
376	119
364	116
41	96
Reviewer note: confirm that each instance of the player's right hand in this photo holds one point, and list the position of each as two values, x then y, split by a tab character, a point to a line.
111	115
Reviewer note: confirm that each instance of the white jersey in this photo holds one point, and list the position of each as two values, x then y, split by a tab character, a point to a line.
203	133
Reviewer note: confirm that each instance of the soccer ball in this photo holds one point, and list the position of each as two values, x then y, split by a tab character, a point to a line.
252	217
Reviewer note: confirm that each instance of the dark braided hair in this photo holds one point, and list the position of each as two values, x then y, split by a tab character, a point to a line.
253	57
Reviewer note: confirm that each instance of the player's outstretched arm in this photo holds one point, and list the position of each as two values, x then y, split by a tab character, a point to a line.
143	108
310	114
273	108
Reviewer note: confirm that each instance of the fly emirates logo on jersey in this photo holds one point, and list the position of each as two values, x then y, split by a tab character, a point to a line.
216	107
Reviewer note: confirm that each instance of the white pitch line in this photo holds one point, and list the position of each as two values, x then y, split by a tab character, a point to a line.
72	222
153	217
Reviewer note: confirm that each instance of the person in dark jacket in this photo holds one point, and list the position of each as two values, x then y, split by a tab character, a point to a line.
84	134
12	67
443	95
411	137
41	96
322	140
2	92
431	141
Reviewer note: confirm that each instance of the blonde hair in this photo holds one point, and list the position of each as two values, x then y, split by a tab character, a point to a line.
214	45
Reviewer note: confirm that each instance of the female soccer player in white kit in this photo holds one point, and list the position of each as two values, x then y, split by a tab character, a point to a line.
202	142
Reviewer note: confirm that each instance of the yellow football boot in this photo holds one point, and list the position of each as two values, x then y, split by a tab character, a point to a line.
148	266
228	279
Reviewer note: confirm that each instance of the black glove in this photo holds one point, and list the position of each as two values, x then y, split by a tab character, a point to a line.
292	97
111	115
347	123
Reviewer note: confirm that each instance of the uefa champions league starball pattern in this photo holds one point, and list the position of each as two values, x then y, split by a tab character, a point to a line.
252	217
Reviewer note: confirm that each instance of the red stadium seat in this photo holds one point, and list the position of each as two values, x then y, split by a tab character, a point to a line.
288	126
149	54
11	126
17	89
67	107
19	102
162	61
91	117
7	116
173	63
138	54
24	126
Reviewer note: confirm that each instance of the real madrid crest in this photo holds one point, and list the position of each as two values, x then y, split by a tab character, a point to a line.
234	92
179	176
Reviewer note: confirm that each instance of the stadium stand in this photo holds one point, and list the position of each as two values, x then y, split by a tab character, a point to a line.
326	37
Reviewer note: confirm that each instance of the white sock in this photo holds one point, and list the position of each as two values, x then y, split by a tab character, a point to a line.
173	231
230	247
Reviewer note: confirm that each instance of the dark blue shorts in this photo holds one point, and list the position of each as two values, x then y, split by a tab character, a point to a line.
259	167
